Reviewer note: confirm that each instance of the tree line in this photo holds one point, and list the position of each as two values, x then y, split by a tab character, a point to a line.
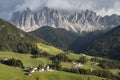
107	63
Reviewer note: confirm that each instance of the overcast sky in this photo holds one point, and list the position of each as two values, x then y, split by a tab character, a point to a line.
102	7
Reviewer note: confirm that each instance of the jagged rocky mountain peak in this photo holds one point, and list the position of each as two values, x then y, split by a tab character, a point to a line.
81	21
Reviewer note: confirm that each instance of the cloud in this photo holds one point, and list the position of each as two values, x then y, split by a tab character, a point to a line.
108	7
65	4
7	7
102	7
32	4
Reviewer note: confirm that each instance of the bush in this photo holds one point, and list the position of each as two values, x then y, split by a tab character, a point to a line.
13	62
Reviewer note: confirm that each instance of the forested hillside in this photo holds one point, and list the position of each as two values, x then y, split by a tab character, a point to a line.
14	39
107	45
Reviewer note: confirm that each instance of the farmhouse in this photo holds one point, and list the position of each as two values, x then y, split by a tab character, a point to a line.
77	65
39	69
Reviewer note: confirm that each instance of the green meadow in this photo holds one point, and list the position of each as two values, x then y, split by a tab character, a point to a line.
12	73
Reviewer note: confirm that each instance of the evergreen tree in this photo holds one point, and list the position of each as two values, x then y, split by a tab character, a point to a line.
83	59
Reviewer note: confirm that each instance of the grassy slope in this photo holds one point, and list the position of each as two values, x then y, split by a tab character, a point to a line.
55	51
115	71
11	73
28	61
61	76
74	56
50	49
25	58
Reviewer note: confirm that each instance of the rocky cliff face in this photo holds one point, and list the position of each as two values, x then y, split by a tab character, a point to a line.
84	21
